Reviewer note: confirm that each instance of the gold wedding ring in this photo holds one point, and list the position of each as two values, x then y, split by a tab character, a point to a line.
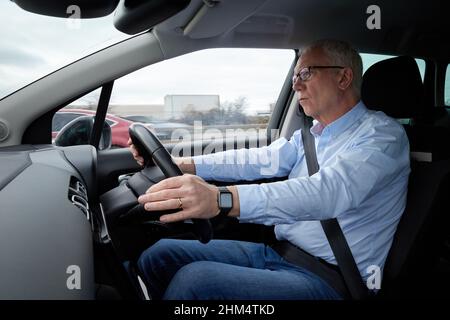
180	205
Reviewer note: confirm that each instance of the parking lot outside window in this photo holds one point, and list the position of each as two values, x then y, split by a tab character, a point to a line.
84	106
206	95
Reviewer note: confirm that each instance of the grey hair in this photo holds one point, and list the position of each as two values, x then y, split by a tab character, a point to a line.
343	54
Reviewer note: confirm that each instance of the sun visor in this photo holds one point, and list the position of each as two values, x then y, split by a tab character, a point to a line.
134	16
209	20
69	8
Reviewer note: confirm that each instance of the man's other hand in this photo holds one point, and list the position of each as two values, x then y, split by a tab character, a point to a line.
135	153
196	198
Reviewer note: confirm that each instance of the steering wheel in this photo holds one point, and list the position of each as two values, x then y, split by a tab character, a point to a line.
149	146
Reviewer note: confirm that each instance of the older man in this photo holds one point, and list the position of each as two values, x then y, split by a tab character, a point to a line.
362	181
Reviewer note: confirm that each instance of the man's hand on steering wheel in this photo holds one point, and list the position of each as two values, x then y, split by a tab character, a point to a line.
186	164
133	150
197	198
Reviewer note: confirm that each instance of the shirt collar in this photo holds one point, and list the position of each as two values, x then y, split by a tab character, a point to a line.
342	123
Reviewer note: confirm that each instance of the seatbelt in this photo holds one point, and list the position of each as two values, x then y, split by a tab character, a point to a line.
331	227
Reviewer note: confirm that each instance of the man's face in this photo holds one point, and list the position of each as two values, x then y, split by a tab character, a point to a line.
319	93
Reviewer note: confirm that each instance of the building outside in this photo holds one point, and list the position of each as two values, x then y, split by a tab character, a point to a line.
176	104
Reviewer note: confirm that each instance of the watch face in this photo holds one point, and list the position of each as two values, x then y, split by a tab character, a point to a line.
226	200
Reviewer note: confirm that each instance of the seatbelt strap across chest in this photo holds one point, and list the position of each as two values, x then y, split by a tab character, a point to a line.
331	227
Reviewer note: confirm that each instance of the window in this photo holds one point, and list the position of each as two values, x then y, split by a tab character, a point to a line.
60	119
447	87
28	49
204	95
84	106
64	116
87	106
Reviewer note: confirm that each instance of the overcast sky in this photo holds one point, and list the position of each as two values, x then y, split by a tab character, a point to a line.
32	45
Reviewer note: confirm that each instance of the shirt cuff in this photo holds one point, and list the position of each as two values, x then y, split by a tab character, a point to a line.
251	203
202	169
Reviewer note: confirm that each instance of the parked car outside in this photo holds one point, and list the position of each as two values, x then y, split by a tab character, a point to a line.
119	126
163	129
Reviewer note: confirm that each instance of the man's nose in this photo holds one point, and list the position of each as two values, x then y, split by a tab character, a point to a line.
298	85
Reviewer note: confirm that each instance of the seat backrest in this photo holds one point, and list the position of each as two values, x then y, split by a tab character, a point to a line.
394	86
428	142
421	232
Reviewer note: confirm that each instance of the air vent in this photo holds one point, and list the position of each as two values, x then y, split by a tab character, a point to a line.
78	196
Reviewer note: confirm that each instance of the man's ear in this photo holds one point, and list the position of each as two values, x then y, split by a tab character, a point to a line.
345	78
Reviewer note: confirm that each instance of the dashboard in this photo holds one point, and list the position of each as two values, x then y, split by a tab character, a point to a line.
46	222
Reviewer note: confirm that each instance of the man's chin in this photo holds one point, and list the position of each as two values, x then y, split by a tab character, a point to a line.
306	107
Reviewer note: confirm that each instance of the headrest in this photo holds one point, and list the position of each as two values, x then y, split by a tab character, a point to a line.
394	86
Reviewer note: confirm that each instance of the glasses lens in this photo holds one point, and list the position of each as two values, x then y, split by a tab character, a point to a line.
304	74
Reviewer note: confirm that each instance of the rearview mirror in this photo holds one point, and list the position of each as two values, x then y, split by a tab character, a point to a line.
78	132
66	8
134	16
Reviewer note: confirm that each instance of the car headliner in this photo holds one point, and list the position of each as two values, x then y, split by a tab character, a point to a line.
418	28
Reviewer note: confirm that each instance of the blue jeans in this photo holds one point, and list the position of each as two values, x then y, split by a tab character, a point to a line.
226	269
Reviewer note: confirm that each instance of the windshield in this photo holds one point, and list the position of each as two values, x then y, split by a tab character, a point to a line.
34	45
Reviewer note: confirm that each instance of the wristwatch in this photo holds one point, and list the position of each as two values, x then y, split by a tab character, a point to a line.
225	201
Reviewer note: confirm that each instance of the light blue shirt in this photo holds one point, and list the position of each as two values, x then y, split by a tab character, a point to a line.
362	181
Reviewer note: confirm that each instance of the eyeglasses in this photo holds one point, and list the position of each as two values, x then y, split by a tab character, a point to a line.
305	73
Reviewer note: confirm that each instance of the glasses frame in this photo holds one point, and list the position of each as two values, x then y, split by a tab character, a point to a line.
308	70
